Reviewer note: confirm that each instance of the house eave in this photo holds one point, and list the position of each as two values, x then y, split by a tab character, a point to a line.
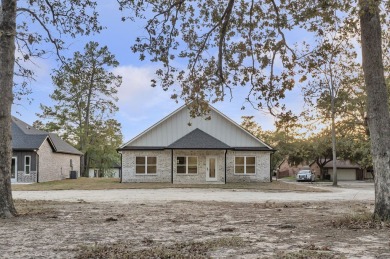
253	149
68	153
25	149
151	148
140	148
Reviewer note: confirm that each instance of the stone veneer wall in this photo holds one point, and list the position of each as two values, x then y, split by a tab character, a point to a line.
200	177
27	178
262	167
55	166
163	166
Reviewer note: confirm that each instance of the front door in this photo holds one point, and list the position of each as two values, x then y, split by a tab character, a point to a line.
14	171
211	168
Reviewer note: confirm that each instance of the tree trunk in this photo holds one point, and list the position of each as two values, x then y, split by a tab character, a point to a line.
7	60
334	157
377	104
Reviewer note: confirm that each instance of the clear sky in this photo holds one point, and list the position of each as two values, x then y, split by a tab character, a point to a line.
140	105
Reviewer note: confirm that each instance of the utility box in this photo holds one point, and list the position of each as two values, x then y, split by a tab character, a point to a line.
73	174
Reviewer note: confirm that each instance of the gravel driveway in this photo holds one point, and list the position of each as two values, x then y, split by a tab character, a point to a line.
347	191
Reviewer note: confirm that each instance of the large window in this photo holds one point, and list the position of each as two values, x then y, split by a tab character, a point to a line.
245	165
187	165
27	164
146	165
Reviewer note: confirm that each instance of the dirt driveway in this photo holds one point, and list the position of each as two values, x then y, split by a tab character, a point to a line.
348	191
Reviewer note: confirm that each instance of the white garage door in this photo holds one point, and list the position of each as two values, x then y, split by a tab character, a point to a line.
344	174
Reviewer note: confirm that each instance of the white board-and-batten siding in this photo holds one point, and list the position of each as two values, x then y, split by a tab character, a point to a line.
177	125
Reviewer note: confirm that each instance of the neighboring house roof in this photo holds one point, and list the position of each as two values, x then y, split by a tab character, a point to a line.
26	137
346	164
198	139
61	146
180	130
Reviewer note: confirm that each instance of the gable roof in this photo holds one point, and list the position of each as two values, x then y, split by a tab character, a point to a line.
179	123
26	137
198	139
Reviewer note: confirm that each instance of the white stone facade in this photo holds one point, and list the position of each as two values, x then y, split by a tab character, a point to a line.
166	174
56	166
263	167
163	166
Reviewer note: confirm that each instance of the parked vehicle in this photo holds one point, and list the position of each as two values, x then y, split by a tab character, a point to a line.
305	175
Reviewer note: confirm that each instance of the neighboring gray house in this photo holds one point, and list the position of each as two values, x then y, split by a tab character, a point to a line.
38	156
181	149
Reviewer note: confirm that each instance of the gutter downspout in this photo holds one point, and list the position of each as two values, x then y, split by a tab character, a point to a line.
172	166
37	162
120	173
225	165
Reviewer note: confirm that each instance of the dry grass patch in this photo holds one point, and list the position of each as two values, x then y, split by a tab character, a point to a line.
200	249
365	220
30	208
84	183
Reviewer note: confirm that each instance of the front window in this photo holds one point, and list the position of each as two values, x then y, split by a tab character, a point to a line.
27	164
187	165
146	165
245	165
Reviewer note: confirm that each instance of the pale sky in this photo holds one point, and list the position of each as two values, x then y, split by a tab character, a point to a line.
140	105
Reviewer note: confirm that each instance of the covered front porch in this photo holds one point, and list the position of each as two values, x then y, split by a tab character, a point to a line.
198	166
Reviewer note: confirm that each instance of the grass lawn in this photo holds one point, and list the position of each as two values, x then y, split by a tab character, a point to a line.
84	183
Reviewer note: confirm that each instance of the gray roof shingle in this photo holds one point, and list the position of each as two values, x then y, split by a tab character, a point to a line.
26	137
198	139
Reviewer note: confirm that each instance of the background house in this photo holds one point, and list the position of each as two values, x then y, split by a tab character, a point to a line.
346	170
38	156
181	149
111	172
286	170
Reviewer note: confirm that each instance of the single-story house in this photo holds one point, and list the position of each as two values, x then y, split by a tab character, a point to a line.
112	172
39	156
181	149
346	170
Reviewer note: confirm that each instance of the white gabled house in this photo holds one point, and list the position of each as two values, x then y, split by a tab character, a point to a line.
202	151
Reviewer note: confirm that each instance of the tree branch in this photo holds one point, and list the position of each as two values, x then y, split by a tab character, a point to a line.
52	40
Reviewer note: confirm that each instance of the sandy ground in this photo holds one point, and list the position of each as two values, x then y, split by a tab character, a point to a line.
270	224
362	192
